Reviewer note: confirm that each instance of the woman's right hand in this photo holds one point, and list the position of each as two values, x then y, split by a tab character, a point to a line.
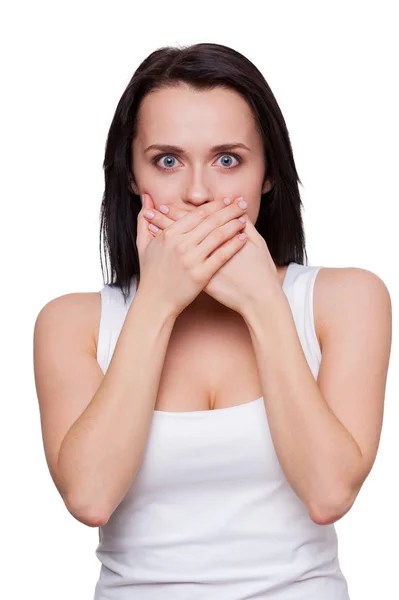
177	264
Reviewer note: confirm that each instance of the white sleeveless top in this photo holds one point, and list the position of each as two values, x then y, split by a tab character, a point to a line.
210	514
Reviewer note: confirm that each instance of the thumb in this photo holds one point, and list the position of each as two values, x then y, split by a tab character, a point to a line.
144	235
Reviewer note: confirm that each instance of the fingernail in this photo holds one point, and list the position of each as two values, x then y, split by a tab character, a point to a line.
149	214
242	219
227	201
242	204
153	227
164	209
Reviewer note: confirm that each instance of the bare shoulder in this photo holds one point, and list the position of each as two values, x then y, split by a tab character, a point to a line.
353	310
80	310
66	370
343	291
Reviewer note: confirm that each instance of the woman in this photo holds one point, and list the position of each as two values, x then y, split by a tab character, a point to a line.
217	406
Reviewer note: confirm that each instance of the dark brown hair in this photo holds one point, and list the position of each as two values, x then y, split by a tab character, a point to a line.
203	66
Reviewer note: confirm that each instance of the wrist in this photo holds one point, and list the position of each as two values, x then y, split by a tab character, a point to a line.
265	306
152	303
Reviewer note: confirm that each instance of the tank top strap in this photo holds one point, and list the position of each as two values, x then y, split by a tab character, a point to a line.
299	288
113	313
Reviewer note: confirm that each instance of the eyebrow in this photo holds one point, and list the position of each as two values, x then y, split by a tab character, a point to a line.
178	150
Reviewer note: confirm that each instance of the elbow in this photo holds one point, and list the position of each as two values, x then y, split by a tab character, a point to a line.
326	513
78	505
326	517
86	513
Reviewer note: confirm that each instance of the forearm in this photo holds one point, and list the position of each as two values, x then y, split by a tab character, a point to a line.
102	451
318	455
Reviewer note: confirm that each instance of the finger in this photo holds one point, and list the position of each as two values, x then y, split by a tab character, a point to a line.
195	217
159	221
222	254
215	223
156	218
175	213
249	228
172	212
147	203
143	234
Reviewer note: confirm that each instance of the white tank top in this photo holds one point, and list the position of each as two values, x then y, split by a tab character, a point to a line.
210	514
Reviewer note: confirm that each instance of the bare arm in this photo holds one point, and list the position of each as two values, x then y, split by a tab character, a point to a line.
326	432
95	426
103	448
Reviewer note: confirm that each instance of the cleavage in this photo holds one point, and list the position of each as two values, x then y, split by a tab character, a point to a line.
209	364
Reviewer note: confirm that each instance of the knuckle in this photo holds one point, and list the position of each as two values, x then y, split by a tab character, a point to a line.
168	233
216	220
218	235
181	248
185	263
202	212
223	256
196	277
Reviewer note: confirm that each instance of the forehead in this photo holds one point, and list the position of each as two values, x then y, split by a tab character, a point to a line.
178	111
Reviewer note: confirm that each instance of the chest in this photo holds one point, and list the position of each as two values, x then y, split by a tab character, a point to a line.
209	364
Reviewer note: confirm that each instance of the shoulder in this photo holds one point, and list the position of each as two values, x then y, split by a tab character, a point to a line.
79	311
345	293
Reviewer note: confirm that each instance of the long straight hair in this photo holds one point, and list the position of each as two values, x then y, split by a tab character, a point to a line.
203	66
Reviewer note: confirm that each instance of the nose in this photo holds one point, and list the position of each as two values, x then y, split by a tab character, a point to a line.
197	192
195	201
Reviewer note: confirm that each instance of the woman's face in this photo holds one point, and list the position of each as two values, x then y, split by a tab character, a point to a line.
194	172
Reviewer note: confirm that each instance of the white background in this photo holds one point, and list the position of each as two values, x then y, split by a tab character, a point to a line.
333	68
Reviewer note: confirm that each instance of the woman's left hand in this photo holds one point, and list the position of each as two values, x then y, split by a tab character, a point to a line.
248	276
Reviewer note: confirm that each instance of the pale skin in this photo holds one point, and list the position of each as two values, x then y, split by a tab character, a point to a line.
222	349
326	433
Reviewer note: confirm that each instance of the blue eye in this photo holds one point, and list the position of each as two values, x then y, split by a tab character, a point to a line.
228	155
171	157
